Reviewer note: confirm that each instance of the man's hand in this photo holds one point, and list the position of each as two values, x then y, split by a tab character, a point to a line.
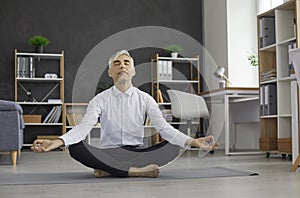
206	143
46	145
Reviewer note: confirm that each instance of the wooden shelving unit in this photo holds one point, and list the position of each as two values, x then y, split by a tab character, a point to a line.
41	90
276	129
185	77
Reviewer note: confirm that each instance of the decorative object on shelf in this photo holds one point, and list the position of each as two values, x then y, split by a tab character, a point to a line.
219	73
50	76
39	42
174	50
29	96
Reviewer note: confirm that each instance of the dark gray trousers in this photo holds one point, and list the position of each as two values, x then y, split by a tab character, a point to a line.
117	161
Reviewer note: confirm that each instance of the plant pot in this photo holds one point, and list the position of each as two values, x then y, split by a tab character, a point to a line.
39	49
174	54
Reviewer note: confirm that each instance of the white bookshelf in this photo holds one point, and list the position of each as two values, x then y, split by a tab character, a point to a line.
276	56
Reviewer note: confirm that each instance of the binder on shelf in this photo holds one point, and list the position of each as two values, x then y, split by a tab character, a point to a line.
165	70
160	70
169	70
270	99
25	67
267	31
31	68
262	99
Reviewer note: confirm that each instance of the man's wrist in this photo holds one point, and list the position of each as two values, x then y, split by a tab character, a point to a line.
189	142
59	142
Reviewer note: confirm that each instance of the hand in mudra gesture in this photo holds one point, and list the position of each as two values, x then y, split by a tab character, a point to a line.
41	146
206	143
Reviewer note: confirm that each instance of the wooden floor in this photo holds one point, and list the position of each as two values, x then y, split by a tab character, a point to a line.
274	178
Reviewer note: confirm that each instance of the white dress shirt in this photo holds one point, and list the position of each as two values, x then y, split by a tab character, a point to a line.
122	117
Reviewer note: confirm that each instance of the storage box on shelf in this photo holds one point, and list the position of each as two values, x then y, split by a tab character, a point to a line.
276	72
32	119
41	95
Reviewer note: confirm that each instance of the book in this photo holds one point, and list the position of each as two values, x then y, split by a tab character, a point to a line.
49	115
74	118
54	115
57	115
54	100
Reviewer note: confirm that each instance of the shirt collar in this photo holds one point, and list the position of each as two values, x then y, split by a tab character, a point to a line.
128	92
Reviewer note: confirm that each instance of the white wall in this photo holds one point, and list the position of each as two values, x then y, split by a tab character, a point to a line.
214	38
230	36
241	42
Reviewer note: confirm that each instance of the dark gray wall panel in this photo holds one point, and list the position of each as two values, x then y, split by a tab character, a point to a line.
76	26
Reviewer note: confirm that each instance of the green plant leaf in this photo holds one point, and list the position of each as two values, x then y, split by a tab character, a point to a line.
173	48
38	41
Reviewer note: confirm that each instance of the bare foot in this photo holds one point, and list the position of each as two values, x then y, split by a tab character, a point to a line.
100	173
151	170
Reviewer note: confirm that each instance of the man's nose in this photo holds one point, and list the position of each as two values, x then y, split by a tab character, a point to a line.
122	65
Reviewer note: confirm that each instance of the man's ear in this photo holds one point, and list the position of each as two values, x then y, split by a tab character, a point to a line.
109	73
133	71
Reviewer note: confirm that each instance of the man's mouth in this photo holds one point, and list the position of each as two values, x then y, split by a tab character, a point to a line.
123	72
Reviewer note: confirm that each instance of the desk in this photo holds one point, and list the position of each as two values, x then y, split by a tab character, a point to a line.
233	114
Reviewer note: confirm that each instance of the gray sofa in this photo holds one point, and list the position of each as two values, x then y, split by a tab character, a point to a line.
11	128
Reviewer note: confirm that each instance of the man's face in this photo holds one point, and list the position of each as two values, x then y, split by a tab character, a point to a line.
122	69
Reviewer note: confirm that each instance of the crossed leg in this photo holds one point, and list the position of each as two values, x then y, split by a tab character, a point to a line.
136	163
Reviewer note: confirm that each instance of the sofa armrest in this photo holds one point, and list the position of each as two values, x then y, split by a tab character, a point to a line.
12	106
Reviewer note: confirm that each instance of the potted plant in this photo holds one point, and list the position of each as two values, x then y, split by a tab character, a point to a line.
174	50
39	42
253	58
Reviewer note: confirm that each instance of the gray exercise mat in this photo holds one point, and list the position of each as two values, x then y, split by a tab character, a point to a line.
87	177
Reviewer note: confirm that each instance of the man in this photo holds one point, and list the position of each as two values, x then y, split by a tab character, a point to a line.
122	110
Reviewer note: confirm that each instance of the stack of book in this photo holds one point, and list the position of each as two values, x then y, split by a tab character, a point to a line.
25	67
268	75
54	115
74	118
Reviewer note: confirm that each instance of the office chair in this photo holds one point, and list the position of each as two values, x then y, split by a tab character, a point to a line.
187	106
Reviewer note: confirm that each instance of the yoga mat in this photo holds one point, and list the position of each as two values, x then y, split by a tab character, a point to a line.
87	177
